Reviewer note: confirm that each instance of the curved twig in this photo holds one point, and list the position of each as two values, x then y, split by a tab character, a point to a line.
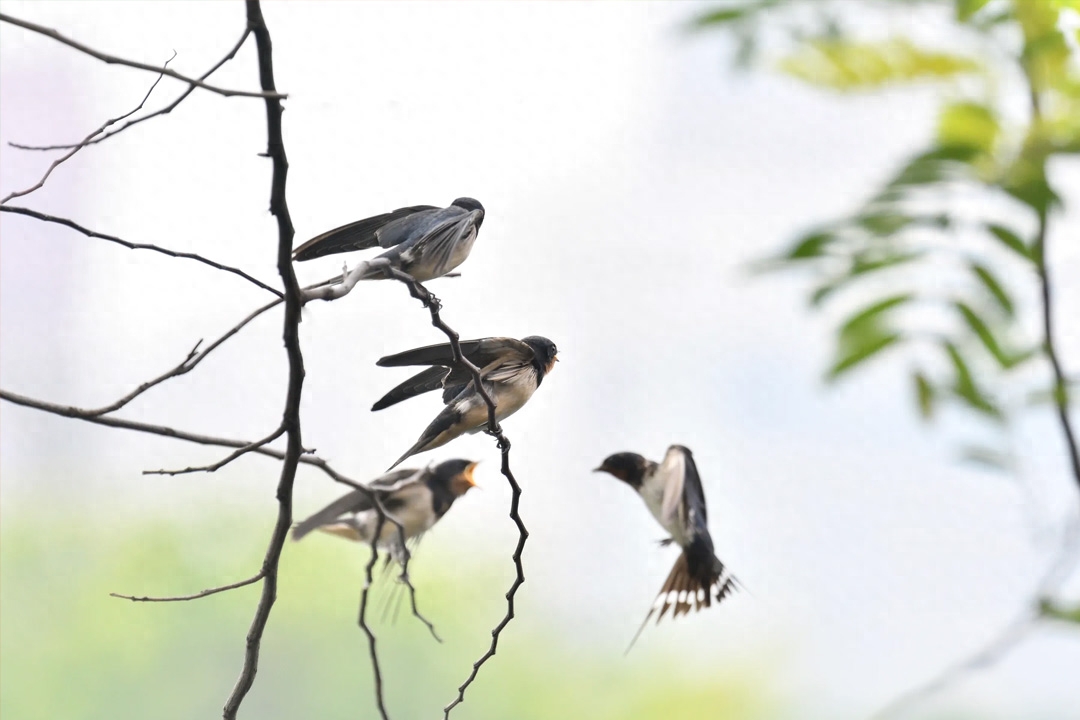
137	246
205	593
108	123
250	447
434	306
114	60
163	111
362	619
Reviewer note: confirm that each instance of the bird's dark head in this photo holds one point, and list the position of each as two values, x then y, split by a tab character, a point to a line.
468	203
455	475
545	351
628	467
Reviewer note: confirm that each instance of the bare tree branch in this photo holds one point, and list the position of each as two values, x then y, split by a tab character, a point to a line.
250	447
113	60
136	246
291	416
434	306
163	111
108	123
361	619
205	593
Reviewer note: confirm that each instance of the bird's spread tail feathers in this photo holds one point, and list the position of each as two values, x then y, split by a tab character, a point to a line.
695	580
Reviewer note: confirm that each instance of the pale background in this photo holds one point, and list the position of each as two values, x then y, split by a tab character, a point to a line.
628	179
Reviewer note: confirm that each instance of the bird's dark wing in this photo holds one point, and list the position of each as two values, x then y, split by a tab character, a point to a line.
480	352
424	381
383	230
684	497
356	501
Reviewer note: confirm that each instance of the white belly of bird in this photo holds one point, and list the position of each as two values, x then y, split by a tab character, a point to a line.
509	398
652	492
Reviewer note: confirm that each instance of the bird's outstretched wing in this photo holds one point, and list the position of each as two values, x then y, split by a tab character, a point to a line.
684	497
386	230
449	231
424	381
357	500
480	352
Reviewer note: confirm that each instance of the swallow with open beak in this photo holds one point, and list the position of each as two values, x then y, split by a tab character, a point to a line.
672	491
424	241
415	498
510	370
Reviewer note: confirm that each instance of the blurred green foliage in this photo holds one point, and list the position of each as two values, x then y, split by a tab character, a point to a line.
70	651
938	260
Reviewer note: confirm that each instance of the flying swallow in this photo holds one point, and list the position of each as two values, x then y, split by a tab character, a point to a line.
672	491
424	241
510	369
415	498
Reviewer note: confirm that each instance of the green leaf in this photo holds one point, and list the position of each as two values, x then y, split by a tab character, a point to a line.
810	246
994	287
862	335
854	355
968	125
938	165
823	292
990	458
964	386
1049	609
924	394
841	64
966	8
860	320
861	265
979	326
1059	395
721	16
1011	240
884	222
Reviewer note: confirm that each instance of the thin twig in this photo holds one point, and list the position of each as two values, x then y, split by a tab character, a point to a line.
205	593
163	111
90	416
250	447
434	307
113	60
187	365
290	419
362	619
404	578
108	123
137	246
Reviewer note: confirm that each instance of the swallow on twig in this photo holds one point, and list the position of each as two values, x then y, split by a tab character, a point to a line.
672	491
510	369
424	241
415	498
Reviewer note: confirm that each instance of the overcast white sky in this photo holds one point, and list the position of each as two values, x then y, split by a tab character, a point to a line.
628	178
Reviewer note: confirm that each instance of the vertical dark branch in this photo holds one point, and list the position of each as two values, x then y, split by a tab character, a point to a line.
291	415
362	619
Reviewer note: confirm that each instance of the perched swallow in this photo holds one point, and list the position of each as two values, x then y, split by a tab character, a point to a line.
424	241
510	369
415	498
672	491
